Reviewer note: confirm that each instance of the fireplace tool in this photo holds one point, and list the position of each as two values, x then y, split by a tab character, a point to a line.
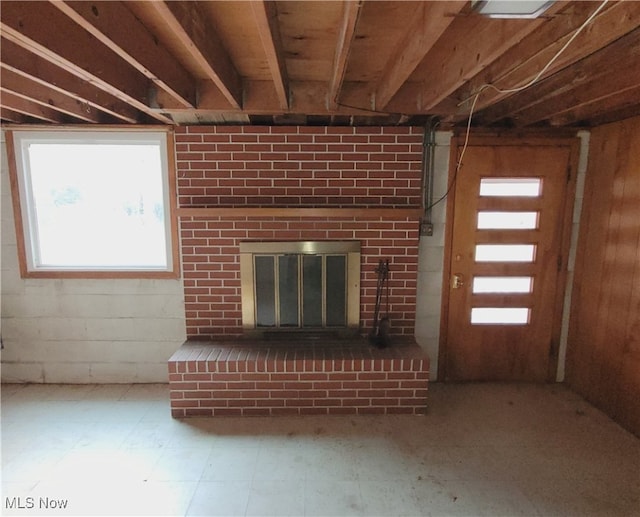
380	334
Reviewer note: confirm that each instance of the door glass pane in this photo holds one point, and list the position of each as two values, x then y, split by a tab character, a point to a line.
335	291
517	187
507	220
288	290
500	315
505	252
265	291
311	291
502	284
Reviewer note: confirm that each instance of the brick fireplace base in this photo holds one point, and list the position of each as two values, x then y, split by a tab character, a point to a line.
237	378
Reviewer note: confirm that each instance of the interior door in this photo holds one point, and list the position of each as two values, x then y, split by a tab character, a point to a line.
506	262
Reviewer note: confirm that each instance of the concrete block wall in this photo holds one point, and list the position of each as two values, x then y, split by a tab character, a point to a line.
431	260
80	330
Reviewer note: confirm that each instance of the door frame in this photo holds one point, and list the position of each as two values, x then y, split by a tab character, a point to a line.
560	138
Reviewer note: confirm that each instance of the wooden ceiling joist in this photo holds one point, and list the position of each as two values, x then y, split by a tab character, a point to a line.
118	29
37	26
465	48
432	19
525	60
30	108
266	18
34	67
194	31
12	116
346	62
350	13
594	92
45	96
570	82
615	107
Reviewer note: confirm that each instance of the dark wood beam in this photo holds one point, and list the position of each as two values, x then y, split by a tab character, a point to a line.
266	18
195	32
19	104
23	62
350	13
44	30
117	28
524	61
432	19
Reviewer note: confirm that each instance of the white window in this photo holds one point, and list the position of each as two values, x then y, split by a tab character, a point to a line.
95	202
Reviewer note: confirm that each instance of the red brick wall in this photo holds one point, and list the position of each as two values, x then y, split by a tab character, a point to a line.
295	167
224	379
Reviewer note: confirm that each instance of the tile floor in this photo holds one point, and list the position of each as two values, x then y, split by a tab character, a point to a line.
482	449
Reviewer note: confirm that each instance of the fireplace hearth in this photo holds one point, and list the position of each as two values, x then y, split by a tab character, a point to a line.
258	378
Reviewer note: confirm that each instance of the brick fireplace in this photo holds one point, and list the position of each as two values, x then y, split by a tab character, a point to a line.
239	184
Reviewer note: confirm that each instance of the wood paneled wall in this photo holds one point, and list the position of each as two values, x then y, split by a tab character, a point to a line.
603	361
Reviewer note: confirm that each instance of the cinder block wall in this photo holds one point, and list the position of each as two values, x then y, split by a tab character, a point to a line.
84	331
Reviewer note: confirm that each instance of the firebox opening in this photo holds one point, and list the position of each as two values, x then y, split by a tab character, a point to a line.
303	288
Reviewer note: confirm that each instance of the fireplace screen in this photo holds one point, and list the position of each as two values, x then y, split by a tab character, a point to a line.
300	285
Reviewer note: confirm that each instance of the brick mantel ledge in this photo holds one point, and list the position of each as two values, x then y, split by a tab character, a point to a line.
238	378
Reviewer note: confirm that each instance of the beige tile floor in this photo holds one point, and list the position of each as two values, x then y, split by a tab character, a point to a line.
482	449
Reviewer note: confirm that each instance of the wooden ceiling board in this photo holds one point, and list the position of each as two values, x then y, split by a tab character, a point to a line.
525	60
337	62
155	23
235	25
380	27
541	99
309	31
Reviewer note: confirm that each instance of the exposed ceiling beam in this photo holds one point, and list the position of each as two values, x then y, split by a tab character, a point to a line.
307	97
12	116
616	106
194	30
431	20
596	67
525	60
28	107
34	67
27	88
38	27
468	45
595	91
266	18
116	27
350	13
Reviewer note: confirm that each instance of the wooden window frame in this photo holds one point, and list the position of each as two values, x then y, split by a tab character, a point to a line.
173	269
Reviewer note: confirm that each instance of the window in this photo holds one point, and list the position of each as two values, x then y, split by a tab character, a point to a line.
95	203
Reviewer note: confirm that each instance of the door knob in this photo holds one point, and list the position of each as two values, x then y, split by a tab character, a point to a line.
457	281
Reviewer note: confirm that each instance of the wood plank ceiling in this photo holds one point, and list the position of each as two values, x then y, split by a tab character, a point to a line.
359	62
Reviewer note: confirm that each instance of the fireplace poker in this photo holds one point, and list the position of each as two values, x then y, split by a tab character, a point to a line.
380	333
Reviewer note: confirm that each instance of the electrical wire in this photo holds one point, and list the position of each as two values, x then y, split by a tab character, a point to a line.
459	163
546	67
514	89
